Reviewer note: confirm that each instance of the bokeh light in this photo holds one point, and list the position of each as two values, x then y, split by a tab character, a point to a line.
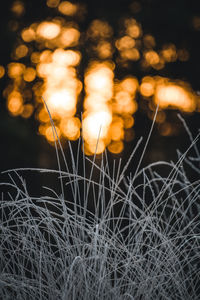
2	71
77	72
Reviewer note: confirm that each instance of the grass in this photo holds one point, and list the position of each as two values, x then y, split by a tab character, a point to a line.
119	236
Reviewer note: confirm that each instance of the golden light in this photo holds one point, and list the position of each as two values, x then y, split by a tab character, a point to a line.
53	3
104	50
117	130
147	86
15	69
70	128
129	84
126	42
128	121
95	102
43	70
99	80
169	53
96	125
60	102
69	37
17	8
152	57
35	57
99	29
130	54
29	74
96	147
109	104
66	57
174	96
27	111
45	56
15	103
21	51
28	35
67	8
43	116
124	103
2	71
48	30
116	147
132	28
50	135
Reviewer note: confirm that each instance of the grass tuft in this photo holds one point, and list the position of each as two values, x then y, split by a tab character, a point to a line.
108	236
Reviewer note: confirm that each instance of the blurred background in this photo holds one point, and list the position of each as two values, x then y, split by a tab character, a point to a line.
102	67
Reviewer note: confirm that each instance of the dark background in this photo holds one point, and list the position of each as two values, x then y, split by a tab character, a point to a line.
168	21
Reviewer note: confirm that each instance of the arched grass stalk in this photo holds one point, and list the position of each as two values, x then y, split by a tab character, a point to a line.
115	237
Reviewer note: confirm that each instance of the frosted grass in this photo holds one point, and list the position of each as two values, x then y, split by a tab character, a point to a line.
121	236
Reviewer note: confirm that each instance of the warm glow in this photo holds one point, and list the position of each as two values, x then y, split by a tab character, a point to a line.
29	74
21	51
35	57
28	34
130	54
129	84
94	147
43	116
53	3
116	147
27	111
52	50
15	70
96	125
67	8
69	37
124	103
128	121
99	29
116	130
104	50
51	135
171	95
70	128
66	57
152	57
132	28
169	53
99	79
15	103
147	86
126	42
45	56
2	71
61	103
17	8
98	115
48	30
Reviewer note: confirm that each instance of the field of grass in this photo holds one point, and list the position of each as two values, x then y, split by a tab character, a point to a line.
120	236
